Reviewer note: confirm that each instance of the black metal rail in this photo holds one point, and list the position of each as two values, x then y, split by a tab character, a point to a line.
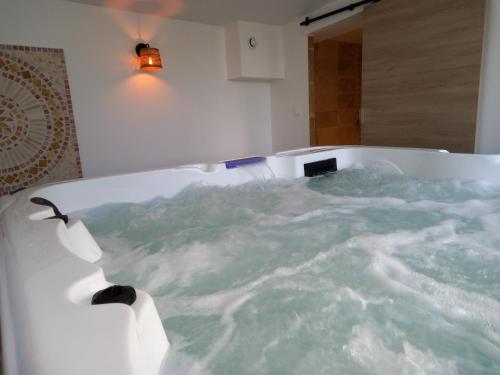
349	7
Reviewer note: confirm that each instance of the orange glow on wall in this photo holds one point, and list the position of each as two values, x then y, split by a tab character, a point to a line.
149	57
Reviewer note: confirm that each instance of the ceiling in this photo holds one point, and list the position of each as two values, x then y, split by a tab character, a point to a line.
217	12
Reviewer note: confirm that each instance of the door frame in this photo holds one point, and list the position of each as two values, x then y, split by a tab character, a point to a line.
328	29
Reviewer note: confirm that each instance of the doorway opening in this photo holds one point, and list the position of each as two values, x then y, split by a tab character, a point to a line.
335	75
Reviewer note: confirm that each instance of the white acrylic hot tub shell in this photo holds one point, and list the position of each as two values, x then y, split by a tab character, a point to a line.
47	278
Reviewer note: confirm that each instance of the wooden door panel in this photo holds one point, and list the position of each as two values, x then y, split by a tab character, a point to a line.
421	68
336	93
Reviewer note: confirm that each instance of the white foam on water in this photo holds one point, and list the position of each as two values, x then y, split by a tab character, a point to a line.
362	272
181	364
371	352
453	302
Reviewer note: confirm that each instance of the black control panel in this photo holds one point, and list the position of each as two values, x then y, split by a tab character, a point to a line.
321	167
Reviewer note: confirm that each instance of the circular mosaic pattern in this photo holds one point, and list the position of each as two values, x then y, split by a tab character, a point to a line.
33	135
12	118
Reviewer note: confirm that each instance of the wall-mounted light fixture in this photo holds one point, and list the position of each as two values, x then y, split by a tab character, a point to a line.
149	57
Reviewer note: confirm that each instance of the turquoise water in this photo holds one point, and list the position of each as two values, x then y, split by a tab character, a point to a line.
353	273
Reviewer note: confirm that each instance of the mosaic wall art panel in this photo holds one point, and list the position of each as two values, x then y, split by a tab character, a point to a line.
37	130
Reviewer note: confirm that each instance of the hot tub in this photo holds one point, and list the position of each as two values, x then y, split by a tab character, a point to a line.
48	275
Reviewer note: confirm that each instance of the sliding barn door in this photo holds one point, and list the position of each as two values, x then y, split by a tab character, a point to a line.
421	67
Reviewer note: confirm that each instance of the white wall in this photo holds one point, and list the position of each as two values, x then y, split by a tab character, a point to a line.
488	137
128	120
290	97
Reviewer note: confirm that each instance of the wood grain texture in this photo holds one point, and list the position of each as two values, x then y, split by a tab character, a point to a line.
421	67
335	92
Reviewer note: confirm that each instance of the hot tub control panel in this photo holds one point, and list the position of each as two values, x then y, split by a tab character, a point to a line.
321	167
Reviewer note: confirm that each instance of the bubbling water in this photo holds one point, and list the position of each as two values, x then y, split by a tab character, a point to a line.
359	272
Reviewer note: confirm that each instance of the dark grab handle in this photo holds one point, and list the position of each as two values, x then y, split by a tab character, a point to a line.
45	202
115	294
